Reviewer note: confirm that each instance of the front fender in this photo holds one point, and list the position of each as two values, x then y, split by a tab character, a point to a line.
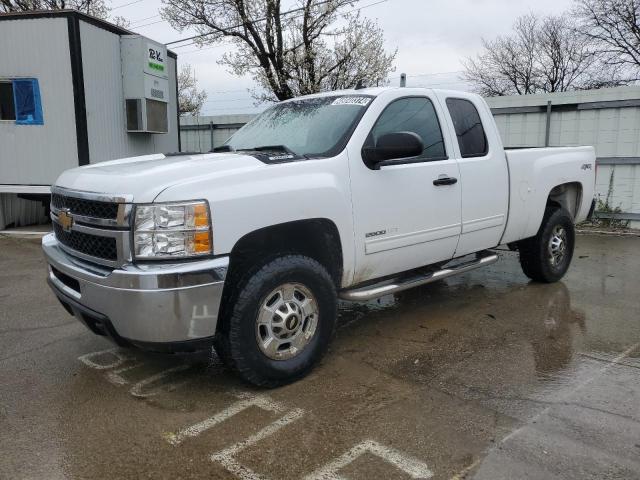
280	193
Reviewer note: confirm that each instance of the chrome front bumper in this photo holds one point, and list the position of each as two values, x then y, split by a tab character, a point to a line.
146	304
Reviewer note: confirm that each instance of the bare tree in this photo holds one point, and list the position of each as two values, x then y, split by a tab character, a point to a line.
120	21
95	8
314	46
506	65
615	26
543	54
190	99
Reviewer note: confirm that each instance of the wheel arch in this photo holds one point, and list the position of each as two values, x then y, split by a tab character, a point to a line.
317	238
568	196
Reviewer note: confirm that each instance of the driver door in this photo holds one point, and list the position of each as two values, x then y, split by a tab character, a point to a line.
403	220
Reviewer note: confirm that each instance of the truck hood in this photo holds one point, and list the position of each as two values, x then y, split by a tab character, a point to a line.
146	176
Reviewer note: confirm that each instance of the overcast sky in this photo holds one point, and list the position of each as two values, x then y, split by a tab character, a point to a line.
432	37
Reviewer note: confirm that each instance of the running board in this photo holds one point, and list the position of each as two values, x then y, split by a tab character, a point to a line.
399	284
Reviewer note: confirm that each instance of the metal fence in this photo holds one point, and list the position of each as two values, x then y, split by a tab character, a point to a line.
201	134
608	119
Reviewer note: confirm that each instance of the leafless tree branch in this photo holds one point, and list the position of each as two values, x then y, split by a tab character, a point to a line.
543	54
190	99
318	46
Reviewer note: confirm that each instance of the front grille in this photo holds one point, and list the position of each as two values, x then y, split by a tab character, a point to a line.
84	207
101	247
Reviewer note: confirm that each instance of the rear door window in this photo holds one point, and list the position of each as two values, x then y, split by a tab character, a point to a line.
469	130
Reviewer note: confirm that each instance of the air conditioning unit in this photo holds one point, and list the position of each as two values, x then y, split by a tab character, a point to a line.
145	80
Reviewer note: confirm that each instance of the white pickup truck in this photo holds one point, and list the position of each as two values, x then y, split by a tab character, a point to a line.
352	194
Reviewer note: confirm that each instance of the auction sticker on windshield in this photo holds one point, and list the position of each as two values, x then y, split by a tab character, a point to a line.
361	101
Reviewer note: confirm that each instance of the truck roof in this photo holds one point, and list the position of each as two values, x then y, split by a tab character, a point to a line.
376	91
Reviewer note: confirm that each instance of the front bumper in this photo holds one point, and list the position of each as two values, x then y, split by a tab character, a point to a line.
148	304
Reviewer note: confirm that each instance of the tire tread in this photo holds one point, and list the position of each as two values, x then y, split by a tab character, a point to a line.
532	251
229	345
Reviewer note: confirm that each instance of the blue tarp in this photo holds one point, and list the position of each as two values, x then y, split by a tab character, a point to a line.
26	96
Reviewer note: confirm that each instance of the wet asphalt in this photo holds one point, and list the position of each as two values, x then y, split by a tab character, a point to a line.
482	376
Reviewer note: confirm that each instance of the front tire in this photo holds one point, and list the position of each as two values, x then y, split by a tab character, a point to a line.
280	323
547	256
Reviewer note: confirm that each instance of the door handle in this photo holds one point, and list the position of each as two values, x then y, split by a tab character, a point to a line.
445	181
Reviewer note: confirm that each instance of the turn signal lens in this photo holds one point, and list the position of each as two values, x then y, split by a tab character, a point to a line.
201	216
202	242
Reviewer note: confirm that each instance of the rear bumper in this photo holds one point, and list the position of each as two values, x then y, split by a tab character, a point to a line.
155	306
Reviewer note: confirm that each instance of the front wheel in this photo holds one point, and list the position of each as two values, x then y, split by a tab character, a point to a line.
281	321
547	256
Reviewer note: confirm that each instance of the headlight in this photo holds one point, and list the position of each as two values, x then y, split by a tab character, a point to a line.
166	230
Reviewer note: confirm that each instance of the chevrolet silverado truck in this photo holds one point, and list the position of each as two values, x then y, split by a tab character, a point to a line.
353	194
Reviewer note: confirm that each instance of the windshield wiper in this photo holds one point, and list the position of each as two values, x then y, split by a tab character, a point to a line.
223	148
272	148
268	148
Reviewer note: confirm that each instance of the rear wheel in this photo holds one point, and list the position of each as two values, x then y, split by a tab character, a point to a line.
547	256
281	321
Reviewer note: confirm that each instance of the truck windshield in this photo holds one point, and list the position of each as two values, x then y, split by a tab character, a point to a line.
311	127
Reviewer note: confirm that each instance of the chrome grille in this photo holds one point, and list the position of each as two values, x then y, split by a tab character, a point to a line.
84	207
92	226
94	245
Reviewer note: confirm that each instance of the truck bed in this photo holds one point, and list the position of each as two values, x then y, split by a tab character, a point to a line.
534	172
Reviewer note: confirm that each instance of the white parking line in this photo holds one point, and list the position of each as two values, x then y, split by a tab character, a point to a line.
415	468
136	390
121	357
117	379
260	401
411	466
226	456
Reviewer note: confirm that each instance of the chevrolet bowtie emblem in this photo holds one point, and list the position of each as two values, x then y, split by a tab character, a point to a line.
65	220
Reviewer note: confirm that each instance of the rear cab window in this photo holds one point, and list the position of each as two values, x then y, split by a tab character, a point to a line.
472	139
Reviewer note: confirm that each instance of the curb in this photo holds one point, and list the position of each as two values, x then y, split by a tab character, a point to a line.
610	233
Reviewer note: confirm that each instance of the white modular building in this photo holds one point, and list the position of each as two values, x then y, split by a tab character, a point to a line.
76	90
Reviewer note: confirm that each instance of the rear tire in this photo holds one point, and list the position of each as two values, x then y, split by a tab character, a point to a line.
547	256
280	322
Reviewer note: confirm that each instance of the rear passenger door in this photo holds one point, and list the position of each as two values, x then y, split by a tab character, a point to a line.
484	177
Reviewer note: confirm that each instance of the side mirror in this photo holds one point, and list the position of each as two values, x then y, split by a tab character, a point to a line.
393	146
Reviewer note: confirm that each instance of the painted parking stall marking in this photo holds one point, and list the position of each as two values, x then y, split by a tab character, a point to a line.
138	389
245	401
226	457
409	465
115	376
120	364
115	363
88	359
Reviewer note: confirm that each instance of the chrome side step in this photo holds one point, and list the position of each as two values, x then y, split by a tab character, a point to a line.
404	283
